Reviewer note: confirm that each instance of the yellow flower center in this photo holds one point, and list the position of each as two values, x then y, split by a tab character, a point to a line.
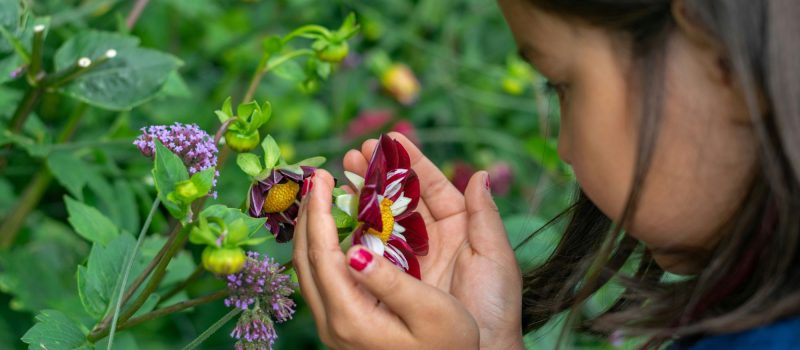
280	197
388	221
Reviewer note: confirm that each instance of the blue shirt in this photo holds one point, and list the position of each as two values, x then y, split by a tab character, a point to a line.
784	334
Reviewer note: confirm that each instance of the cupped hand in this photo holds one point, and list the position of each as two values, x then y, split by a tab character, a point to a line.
469	254
361	301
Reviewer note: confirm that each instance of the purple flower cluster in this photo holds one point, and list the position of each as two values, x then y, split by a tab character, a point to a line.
254	331
262	286
193	145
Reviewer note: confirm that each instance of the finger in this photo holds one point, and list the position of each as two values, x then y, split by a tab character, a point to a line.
410	299
335	285
439	194
487	234
303	268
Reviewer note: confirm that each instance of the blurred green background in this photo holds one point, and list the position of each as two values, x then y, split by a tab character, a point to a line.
479	107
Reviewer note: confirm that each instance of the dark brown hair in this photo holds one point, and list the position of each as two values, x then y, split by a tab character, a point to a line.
752	276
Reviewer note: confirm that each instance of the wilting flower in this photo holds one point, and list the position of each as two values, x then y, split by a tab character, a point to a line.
277	198
263	292
193	145
384	207
400	82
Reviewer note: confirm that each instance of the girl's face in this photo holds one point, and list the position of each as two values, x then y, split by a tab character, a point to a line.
705	154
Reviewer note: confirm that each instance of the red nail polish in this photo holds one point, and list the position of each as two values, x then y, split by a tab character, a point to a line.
488	183
360	259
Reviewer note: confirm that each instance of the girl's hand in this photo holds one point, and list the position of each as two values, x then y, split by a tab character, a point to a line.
469	254
361	301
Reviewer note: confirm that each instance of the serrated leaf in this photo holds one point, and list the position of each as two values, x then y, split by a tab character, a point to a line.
272	153
54	331
131	78
249	163
98	280
90	223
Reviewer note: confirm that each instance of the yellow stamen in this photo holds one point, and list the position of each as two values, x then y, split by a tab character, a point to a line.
280	197
388	221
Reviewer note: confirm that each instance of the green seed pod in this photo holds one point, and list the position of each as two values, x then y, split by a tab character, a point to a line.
242	142
223	261
334	52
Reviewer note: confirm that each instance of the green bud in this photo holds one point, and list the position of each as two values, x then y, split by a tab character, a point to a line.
333	52
187	191
223	261
242	142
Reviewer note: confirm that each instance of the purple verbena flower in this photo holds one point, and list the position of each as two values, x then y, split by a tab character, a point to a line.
263	292
193	145
254	331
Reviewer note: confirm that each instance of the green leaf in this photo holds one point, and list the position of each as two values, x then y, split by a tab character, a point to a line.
272	152
167	173
9	14
97	281
90	223
272	45
175	86
204	180
230	215
201	234
341	218
54	331
291	71
538	248
315	162
69	172
249	163
227	107
245	110
131	78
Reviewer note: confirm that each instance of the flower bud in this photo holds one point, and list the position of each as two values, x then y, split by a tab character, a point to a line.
242	142
400	82
223	261
187	191
333	52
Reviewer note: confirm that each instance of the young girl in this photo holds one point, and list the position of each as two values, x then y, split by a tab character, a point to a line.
681	120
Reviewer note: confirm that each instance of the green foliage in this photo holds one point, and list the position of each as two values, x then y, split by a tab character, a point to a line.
131	78
54	330
90	223
98	279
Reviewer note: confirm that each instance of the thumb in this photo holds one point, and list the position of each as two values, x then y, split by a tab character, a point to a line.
487	235
403	294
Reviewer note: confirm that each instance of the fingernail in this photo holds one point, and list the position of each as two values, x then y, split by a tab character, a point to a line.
488	183
360	259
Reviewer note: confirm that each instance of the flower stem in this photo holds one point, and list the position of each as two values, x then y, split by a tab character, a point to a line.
100	334
25	108
35	68
311	28
133	16
152	265
213	329
199	271
127	270
158	274
12	223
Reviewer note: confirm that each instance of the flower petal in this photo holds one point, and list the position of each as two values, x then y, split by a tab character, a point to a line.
345	203
416	233
396	257
373	243
257	198
400	205
411	190
403	160
369	211
389	148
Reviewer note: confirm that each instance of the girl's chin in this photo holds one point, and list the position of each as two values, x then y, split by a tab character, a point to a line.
680	263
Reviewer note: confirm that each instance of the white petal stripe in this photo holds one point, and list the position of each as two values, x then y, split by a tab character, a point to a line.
400	205
391	250
372	243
